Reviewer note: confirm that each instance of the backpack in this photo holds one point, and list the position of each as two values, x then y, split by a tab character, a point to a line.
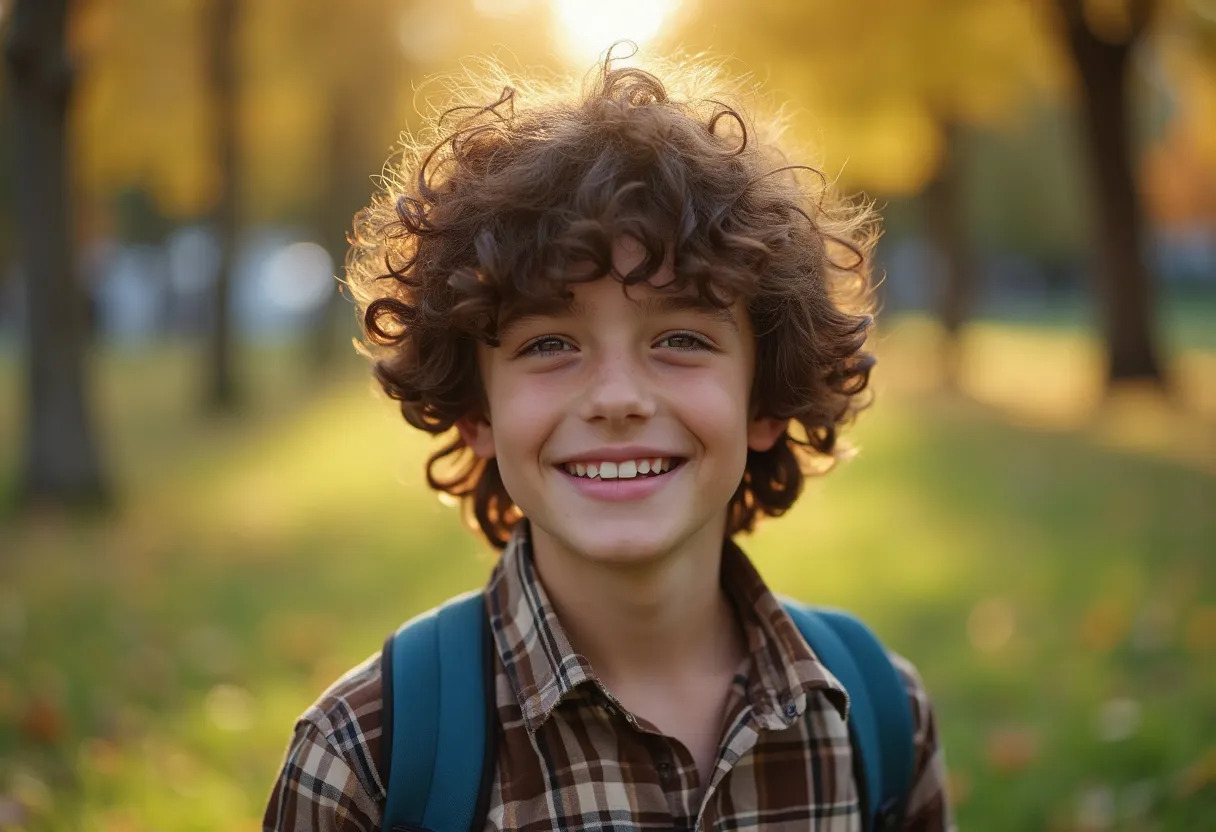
438	678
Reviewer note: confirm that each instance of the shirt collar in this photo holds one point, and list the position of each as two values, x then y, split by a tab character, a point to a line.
544	669
532	644
784	668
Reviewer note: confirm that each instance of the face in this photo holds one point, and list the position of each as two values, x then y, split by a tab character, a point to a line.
621	423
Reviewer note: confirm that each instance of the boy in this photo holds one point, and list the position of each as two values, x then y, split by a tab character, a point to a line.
637	332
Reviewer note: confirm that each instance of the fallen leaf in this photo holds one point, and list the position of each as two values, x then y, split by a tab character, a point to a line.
43	720
1012	749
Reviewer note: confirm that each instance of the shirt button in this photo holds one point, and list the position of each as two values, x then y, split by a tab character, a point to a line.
791	710
664	770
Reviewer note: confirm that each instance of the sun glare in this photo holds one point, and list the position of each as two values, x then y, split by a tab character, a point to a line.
585	28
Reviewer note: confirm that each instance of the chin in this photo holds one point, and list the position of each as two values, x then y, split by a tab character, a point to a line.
621	546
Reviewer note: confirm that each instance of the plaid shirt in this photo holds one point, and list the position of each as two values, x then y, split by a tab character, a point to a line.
571	757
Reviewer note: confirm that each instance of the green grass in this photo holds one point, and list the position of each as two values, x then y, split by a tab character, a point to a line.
1057	596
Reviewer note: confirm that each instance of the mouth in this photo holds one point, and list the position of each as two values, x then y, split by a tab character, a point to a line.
628	469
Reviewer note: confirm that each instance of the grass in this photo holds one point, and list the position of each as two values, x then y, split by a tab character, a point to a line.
1048	568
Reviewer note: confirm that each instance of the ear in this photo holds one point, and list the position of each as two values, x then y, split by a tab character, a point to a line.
763	432
477	434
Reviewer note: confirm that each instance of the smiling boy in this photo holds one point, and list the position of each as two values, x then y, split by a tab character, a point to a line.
638	333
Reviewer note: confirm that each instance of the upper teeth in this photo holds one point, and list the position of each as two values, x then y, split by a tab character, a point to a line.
626	470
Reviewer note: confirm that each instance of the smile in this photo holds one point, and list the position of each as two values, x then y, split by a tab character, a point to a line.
622	480
624	470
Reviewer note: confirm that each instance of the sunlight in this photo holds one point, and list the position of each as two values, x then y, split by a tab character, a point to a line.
585	28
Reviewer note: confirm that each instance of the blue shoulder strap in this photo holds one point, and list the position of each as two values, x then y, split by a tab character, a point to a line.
434	667
880	717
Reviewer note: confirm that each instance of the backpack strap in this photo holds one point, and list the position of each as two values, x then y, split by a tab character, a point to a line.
434	671
880	717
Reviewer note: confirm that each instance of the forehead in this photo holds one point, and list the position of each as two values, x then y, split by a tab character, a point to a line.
588	299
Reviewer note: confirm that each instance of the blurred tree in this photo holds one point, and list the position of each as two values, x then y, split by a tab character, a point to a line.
221	391
324	101
1101	38
946	223
1024	191
359	71
6	198
332	218
324	91
345	190
892	86
363	68
61	461
895	80
137	217
139	128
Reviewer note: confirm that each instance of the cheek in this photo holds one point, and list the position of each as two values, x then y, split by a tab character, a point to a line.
522	414
716	411
520	425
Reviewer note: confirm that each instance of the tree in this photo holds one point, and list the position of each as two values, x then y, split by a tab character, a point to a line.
344	192
1102	62
61	462
362	68
945	221
963	63
892	86
363	62
221	390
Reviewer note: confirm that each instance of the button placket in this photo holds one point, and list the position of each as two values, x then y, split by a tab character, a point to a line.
609	704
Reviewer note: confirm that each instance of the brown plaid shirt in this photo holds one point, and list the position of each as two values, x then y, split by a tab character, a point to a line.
571	757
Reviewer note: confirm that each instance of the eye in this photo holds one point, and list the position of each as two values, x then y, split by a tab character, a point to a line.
546	345
683	341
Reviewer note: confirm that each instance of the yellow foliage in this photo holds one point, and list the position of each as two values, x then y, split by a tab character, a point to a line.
875	80
867	85
141	117
1179	171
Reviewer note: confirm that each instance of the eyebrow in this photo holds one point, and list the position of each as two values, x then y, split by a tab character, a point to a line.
659	304
652	305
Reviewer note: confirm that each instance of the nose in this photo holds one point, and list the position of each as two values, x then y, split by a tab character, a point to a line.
619	390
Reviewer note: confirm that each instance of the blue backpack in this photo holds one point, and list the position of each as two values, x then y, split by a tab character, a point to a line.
438	677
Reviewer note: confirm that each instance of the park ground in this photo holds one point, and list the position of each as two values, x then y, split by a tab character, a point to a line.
1045	556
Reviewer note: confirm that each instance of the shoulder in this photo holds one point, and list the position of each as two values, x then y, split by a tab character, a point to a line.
918	696
349	716
928	806
329	779
355	696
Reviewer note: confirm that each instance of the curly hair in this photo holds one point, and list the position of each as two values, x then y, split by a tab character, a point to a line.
516	196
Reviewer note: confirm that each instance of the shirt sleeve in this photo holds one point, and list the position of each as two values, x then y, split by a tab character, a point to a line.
330	781
928	808
317	790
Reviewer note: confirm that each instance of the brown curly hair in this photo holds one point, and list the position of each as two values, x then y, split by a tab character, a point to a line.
516	196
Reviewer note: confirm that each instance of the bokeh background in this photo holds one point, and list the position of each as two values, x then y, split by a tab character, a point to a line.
207	513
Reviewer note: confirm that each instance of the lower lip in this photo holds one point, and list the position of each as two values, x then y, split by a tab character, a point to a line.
618	490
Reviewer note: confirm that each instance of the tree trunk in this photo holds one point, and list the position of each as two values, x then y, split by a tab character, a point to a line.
341	196
947	231
1125	284
221	392
61	463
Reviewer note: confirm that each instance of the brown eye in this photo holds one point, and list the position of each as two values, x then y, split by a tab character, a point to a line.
547	345
683	341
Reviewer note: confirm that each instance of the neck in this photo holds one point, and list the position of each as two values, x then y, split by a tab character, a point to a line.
665	618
